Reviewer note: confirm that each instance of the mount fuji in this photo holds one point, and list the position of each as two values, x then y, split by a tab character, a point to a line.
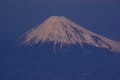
62	31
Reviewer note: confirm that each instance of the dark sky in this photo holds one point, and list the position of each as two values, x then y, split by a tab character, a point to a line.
100	16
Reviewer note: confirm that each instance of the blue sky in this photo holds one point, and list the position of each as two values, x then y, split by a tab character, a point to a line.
68	1
100	16
17	16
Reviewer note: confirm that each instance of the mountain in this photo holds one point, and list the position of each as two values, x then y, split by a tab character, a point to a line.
62	31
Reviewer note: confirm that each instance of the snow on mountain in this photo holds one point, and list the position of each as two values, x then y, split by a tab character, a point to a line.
60	30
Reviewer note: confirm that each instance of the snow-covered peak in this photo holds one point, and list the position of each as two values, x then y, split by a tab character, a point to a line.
60	30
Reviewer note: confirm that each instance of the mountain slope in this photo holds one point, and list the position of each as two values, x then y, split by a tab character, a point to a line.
60	30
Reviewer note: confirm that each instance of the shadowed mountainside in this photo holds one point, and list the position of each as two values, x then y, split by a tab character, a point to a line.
40	62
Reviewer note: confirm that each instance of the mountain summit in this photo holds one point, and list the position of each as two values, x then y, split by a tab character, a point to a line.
60	30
